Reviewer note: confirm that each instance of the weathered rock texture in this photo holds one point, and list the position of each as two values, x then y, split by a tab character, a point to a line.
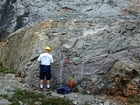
16	14
93	45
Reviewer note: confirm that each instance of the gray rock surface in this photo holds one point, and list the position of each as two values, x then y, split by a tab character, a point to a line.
20	13
94	35
4	102
92	46
9	82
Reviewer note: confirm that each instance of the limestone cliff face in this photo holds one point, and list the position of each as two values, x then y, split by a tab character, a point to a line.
98	40
93	46
16	14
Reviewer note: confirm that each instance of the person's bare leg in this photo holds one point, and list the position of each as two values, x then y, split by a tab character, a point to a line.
48	84
41	83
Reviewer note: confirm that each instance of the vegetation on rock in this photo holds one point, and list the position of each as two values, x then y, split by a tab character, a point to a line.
30	98
5	70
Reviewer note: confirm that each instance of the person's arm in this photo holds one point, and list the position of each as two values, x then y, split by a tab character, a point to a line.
39	59
52	60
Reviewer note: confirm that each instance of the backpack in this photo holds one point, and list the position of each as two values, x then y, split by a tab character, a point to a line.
63	90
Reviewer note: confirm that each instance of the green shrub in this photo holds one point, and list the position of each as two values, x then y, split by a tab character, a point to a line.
134	100
3	95
0	63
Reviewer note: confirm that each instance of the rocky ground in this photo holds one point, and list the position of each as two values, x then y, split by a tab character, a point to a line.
10	82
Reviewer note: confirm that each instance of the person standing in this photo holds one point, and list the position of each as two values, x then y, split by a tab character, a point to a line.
45	60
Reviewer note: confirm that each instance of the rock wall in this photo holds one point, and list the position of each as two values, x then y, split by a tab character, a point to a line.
16	14
98	37
92	46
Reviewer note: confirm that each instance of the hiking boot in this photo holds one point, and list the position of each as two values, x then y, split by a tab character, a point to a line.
48	89
41	89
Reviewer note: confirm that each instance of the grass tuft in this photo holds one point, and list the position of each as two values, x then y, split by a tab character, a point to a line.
5	70
29	98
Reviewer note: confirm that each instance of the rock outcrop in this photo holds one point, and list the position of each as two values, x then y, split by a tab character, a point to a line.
99	40
92	46
16	14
